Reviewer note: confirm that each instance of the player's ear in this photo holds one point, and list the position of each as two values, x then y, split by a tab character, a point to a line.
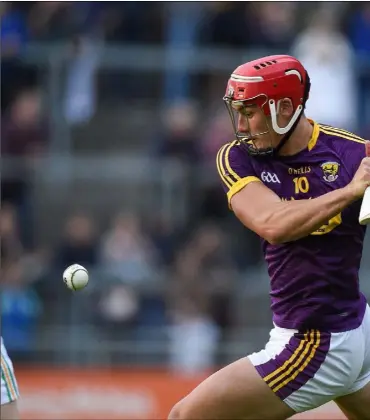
286	107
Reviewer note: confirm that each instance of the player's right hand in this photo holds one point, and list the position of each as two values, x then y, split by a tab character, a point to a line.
361	180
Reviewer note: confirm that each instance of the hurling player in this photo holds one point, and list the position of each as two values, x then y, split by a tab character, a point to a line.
298	184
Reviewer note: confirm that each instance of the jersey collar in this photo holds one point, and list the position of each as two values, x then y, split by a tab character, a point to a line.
315	135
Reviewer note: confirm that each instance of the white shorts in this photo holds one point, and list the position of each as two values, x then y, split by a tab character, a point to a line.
309	369
9	387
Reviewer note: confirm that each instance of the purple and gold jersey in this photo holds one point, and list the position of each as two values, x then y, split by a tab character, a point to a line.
314	280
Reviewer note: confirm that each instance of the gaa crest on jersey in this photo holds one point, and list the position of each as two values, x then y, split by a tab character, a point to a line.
269	177
330	171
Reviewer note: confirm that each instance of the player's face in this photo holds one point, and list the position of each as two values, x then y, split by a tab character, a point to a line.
254	123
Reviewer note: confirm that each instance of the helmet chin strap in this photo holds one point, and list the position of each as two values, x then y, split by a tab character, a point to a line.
288	131
290	127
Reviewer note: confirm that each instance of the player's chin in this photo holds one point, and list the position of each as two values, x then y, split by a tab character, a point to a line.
262	145
262	141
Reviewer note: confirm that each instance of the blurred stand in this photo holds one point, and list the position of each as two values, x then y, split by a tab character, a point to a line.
332	55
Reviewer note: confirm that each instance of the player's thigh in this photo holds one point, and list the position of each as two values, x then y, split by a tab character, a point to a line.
356	403
234	392
9	411
356	406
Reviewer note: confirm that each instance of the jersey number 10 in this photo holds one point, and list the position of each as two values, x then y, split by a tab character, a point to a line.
301	185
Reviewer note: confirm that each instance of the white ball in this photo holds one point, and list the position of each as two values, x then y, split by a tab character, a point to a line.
75	277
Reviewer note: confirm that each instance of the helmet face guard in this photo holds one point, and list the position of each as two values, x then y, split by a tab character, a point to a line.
247	138
264	83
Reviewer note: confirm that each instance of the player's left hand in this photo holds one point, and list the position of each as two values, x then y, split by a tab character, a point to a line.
361	180
367	148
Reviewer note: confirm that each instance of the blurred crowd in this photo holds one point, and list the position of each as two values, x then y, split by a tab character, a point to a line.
339	32
154	275
190	276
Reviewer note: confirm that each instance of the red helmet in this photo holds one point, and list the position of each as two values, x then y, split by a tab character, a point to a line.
266	81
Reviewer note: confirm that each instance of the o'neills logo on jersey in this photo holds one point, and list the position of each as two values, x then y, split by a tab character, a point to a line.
330	170
299	171
269	177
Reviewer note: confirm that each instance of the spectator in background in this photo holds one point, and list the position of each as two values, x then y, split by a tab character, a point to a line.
11	244
165	238
115	314
52	20
80	90
21	308
272	25
24	137
126	252
359	32
227	25
214	257
14	37
178	138
193	333
181	33
329	65
78	23
80	243
128	260
14	31
360	29
217	132
20	305
198	300
12	247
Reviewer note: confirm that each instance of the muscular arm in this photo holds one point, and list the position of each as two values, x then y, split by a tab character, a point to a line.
261	210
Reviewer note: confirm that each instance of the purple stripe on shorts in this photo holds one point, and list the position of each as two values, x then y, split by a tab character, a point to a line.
305	352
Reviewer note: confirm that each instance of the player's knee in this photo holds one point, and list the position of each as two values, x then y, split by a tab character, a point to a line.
9	411
178	412
175	413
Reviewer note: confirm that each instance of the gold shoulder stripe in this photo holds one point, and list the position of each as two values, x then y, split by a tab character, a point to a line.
306	357
341	130
343	136
220	167
227	174
230	178
230	170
